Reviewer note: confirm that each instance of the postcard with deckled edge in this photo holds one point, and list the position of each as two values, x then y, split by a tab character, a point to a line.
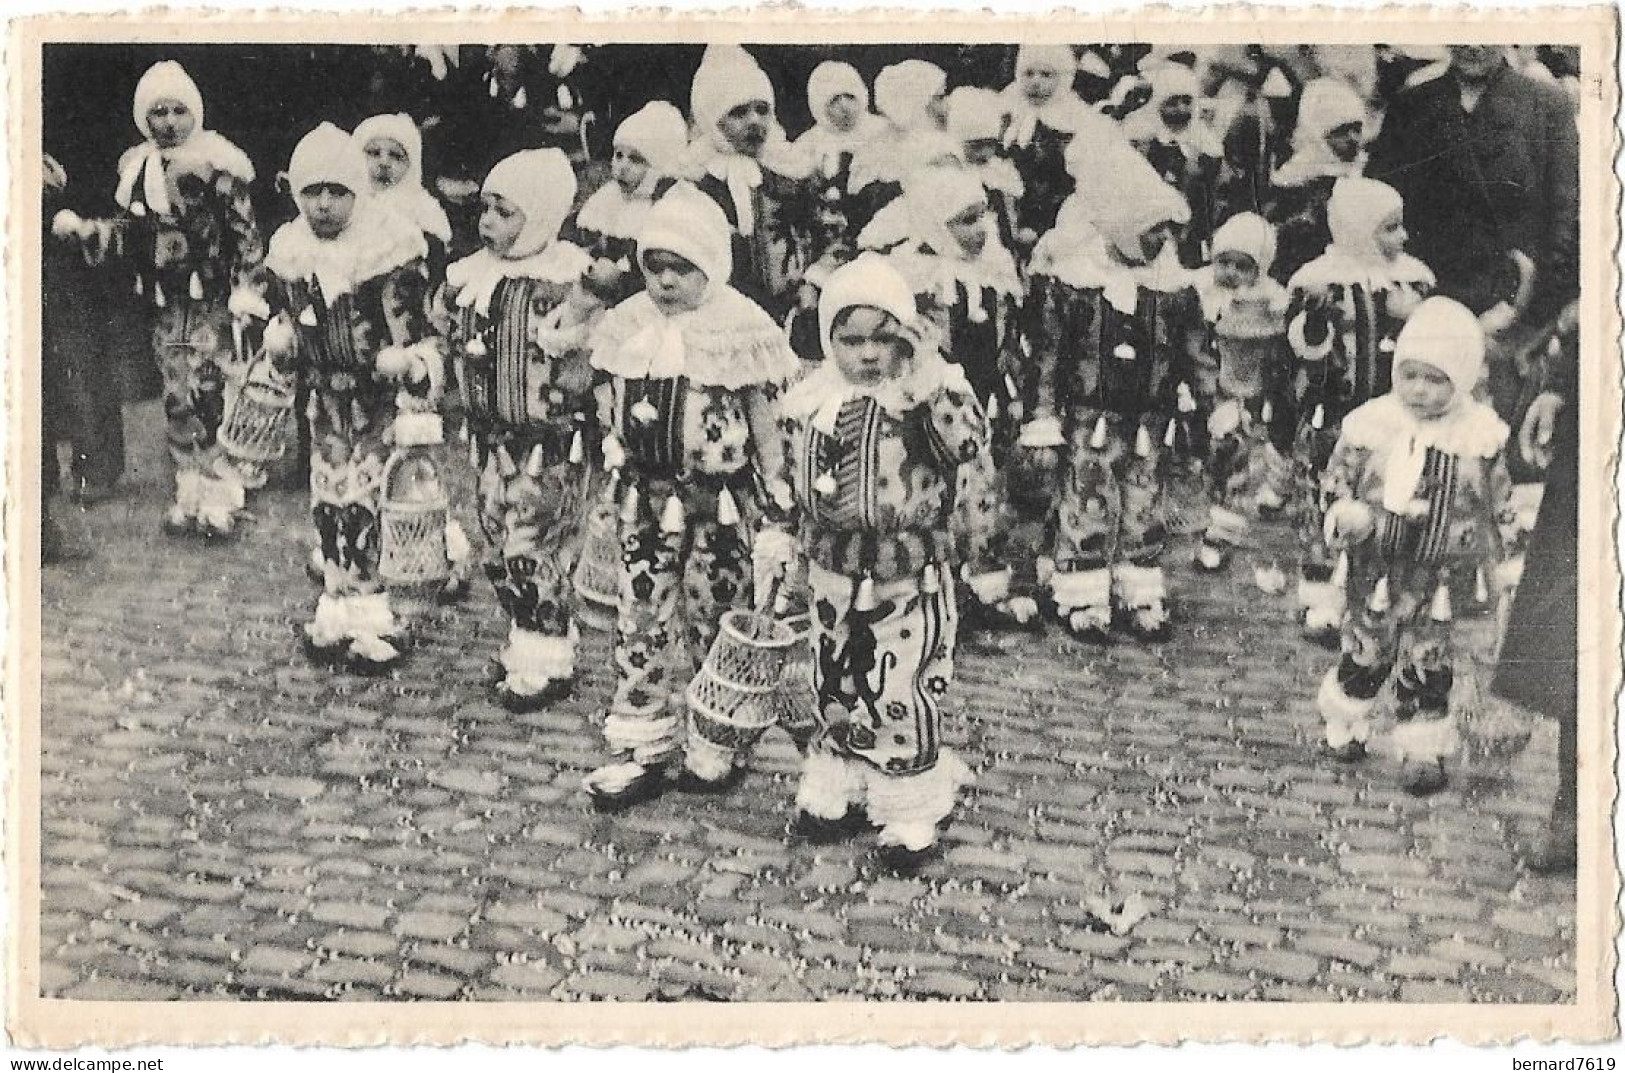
786	527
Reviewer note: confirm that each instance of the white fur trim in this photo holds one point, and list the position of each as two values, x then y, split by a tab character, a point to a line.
708	761
331	623
218	500
1424	739
1347	719
370	615
1042	432
1471	429
648	738
1320	595
992	586
1081	588
1139	586
532	660
1301	346
908	807
418	429
247	303
1226	526
189	490
829	785
457	545
613	778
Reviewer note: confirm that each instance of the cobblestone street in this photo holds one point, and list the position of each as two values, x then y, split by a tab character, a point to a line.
222	820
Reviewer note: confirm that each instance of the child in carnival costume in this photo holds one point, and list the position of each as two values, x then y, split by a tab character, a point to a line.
648	151
1418	489
393	147
1183	150
976	122
1045	116
694	373
741	160
887	460
912	97
1328	144
188	226
1346	311
1245	312
348	293
1115	327
517	334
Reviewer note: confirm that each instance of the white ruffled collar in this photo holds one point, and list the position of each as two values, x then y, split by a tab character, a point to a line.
476	277
1337	265
1091	269
1471	429
376	241
609	211
819	398
145	163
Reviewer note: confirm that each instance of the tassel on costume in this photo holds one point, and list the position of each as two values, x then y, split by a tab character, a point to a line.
475	347
1318	421
1481	588
727	509
1170	435
1142	441
865	599
992	407
629	506
506	466
474	455
614	453
307	317
929	582
1379	602
1440	611
1266	413
578	450
194	288
535	462
671	517
138	208
1187	401
158	295
1340	575
1098	440
140	288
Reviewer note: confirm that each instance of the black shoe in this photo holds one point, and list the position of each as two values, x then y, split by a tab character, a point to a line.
822	832
1423	778
904	862
690	783
1554	852
1350	752
330	656
646	787
524	703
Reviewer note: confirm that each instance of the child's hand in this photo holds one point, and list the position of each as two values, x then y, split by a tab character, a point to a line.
1539	424
1348	522
68	224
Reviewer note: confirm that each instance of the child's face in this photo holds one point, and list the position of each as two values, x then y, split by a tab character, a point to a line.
1391	235
1233	270
1176	112
501	222
1345	141
628	168
171	122
675	283
868	346
387	162
842	112
1038	85
744	128
1425	391
969	229
327	207
979	151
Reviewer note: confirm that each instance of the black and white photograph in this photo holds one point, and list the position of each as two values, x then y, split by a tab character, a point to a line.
1001	522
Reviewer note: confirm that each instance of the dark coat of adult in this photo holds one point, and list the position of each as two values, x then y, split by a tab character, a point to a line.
1480	184
1538	664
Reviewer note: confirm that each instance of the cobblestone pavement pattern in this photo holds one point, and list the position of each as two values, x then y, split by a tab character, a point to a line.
221	820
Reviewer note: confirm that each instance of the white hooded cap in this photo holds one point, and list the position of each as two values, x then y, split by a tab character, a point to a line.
688	223
1445	334
543	185
870	281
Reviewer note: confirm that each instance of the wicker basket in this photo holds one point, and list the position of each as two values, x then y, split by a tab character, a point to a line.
795	701
598	570
412	537
258	424
731	701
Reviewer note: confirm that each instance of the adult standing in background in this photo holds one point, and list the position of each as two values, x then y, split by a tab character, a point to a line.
1487	160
